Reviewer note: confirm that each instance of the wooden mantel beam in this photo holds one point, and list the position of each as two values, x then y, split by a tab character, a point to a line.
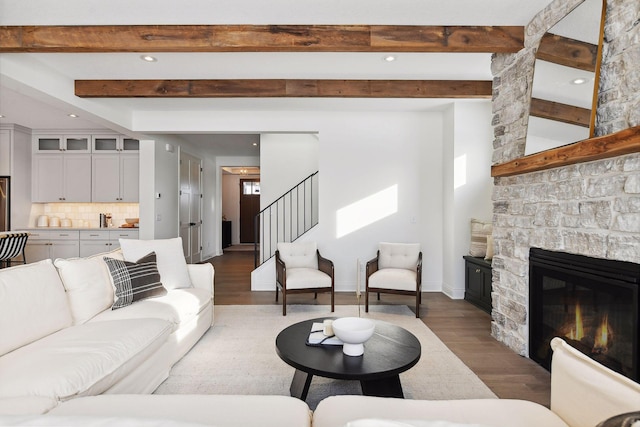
283	88
602	147
261	38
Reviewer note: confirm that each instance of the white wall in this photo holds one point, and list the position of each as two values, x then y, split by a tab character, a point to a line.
159	174
285	160
473	184
364	155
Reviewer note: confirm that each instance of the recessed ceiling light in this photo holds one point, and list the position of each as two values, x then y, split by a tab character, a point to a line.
73	116
389	58
255	144
579	81
148	58
1	116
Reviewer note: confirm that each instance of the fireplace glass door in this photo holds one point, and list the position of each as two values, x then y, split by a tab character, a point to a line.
594	310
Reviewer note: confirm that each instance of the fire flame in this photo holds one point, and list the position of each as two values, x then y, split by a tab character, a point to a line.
577	333
602	336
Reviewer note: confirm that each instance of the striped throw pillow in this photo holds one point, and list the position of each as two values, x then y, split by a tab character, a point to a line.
135	281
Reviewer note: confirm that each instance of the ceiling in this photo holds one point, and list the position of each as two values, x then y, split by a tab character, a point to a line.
36	89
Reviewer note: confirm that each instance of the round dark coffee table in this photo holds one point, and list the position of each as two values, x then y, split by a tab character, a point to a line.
389	352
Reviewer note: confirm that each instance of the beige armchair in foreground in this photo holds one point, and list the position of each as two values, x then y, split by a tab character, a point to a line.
396	269
300	268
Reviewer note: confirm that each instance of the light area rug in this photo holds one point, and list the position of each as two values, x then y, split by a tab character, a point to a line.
238	356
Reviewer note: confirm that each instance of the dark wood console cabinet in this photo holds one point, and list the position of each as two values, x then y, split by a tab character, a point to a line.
226	234
477	282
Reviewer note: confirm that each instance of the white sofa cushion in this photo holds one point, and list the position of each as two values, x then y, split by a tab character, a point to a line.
394	278
33	304
48	420
25	405
298	255
336	411
216	410
584	392
177	306
301	278
170	257
88	284
81	360
398	255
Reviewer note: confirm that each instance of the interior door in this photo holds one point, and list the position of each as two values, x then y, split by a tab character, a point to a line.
249	208
191	207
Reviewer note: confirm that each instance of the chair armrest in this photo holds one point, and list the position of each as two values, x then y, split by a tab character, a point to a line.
281	270
325	265
419	270
201	276
372	265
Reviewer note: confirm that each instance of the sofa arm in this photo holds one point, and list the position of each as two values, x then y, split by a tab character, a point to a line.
584	392
201	276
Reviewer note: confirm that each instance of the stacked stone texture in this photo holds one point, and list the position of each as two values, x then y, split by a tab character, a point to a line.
590	208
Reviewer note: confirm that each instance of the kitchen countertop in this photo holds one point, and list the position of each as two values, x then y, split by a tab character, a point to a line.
80	228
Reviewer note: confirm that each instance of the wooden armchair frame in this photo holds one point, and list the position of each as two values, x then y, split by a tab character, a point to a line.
372	267
324	265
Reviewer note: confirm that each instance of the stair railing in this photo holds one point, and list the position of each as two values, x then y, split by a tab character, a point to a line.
286	219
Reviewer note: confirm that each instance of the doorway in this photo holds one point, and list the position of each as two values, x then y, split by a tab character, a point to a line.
191	207
249	208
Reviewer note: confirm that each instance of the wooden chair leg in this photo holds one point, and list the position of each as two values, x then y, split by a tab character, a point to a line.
418	304
284	302
366	301
378	296
333	305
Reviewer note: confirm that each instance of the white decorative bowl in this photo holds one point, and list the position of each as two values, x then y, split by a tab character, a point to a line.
353	332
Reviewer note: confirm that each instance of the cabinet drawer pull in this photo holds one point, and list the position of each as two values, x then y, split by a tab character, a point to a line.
477	270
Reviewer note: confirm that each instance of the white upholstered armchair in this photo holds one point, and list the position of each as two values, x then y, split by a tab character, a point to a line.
300	268
396	269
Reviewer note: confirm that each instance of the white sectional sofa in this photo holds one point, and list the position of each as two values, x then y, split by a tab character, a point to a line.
68	359
61	339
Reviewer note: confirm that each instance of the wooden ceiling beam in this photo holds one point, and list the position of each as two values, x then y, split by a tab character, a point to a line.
283	88
261	38
560	112
568	52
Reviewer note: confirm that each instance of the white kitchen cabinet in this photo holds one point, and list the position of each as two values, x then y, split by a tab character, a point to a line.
61	177
52	244
5	152
60	142
114	144
97	241
115	177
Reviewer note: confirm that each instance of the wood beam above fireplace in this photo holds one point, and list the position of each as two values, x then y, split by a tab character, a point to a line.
616	144
261	38
283	88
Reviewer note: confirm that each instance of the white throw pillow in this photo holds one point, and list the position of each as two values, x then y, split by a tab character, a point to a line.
169	255
479	232
88	284
33	304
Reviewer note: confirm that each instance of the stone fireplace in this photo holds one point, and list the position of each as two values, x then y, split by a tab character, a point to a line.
590	209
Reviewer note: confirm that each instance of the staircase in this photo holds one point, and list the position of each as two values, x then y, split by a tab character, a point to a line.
287	218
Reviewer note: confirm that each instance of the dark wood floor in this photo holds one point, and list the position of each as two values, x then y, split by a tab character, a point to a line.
465	329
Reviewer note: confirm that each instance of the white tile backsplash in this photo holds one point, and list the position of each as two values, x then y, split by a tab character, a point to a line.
88	214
